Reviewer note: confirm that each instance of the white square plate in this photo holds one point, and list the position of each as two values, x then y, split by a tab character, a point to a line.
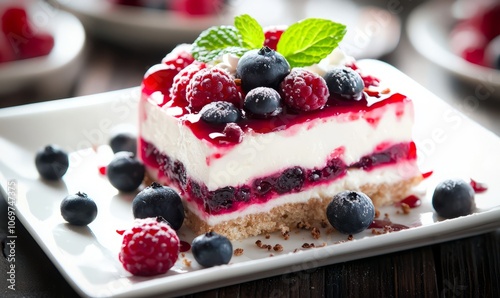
448	144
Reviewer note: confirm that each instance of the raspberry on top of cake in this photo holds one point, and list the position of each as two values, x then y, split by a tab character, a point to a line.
258	128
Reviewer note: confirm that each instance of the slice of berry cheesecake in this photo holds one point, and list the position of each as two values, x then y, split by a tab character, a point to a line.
258	135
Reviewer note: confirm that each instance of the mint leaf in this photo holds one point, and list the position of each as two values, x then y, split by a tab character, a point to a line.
251	32
216	41
308	41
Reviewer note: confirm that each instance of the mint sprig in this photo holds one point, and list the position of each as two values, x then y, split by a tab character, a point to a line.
251	32
318	38
216	41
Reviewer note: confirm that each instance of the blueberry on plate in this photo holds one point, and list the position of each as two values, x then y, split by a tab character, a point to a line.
123	140
350	212
51	162
453	198
345	82
158	200
78	209
212	249
220	112
125	172
262	101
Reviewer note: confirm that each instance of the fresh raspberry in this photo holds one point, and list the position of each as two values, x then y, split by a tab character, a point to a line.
150	247
21	38
273	35
159	77
181	80
209	85
303	90
180	56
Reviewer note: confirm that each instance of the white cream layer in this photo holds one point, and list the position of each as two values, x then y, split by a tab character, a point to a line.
308	145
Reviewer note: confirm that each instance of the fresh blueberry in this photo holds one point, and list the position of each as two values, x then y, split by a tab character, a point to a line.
211	249
123	140
291	179
261	68
52	162
345	82
78	209
350	212
158	200
262	101
453	198
220	112
125	172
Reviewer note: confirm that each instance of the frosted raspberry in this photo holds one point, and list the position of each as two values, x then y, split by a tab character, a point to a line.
303	90
209	85
181	80
149	248
273	35
180	56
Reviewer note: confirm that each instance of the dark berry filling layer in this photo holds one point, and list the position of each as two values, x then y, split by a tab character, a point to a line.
263	189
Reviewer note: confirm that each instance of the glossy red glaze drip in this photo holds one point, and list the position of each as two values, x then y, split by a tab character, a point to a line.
412	201
427	174
478	186
334	107
184	246
387	224
102	170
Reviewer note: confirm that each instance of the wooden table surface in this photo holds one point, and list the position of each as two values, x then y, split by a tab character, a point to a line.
468	267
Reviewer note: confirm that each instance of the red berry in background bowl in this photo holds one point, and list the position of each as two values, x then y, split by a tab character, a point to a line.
15	21
492	53
472	37
39	45
468	42
21	39
197	7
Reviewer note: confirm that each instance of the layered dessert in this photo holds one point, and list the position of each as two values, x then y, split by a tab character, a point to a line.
258	131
